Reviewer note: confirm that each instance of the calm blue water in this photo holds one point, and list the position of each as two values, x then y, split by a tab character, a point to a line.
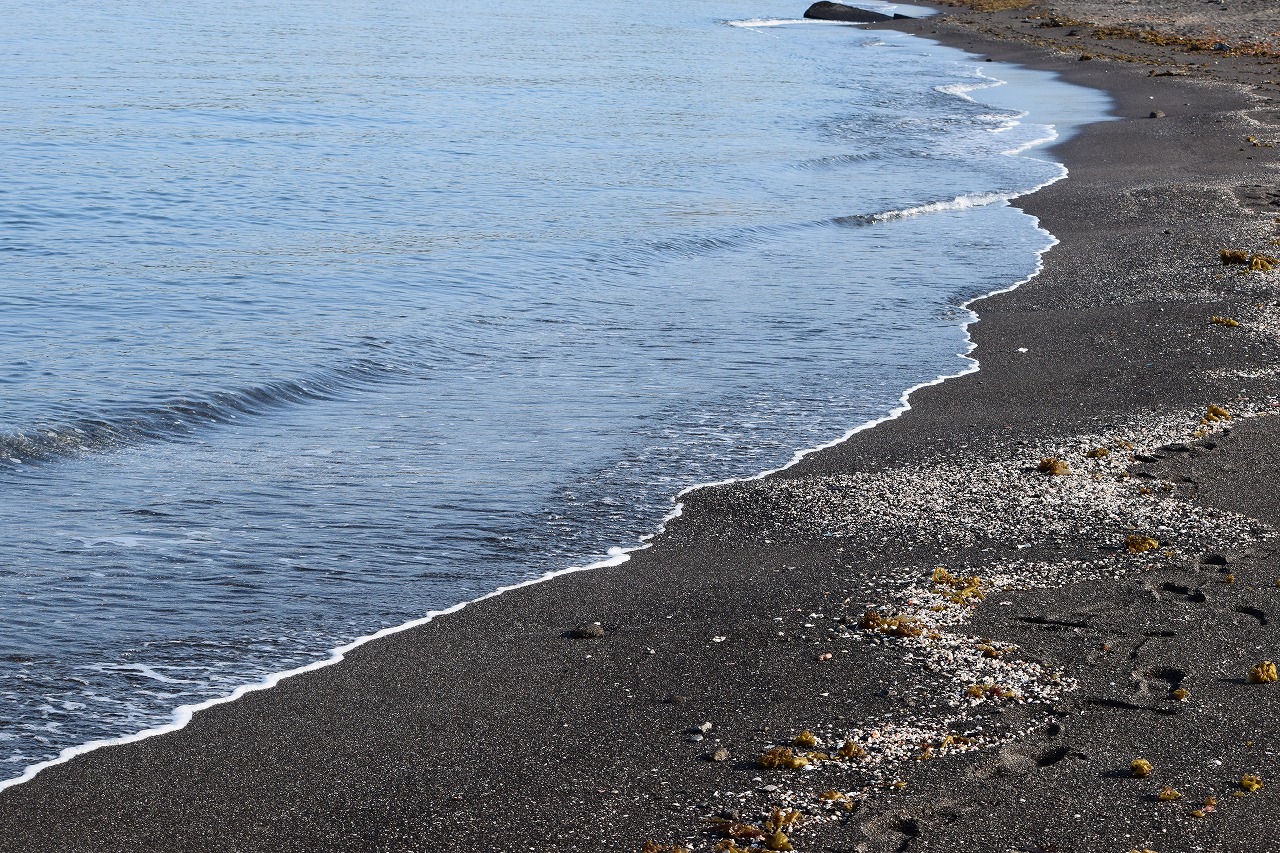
316	319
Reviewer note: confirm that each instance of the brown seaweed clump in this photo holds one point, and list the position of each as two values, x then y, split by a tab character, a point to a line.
991	691
1182	694
962	590
1210	805
1250	783
775	838
894	626
1140	768
850	750
1053	466
991	652
1224	321
735	830
1098	453
1264	673
1256	262
783	758
1137	544
806	739
1168	794
837	798
1215	414
990	5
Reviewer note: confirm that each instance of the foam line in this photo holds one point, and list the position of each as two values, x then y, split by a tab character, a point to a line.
756	23
615	556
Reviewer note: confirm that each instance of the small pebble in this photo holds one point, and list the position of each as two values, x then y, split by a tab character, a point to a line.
720	754
694	738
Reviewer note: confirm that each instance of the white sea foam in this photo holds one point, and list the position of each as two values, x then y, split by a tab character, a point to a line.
756	23
962	202
962	90
147	671
1007	122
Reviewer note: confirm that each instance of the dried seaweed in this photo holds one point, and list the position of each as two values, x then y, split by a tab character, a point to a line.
896	626
1053	466
1137	543
1264	673
806	739
783	758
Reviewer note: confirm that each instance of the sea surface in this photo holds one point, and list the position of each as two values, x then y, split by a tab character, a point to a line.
316	318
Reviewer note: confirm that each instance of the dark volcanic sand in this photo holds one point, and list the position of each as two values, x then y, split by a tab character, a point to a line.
491	730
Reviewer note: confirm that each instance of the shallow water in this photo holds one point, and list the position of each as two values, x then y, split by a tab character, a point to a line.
316	321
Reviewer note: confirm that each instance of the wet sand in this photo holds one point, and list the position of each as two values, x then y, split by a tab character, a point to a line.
1023	649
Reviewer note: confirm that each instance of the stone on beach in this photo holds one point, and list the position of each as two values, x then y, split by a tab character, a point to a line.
587	631
825	11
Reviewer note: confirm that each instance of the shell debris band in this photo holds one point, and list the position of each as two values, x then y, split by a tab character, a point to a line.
1007	506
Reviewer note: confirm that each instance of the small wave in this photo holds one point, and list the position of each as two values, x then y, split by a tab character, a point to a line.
962	90
961	202
837	160
748	236
181	417
146	672
756	23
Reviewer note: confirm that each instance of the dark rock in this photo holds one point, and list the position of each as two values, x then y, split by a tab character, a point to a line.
825	11
676	699
1177	448
1157	113
589	631
694	738
1214	559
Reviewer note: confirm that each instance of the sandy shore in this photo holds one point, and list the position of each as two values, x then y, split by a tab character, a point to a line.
980	650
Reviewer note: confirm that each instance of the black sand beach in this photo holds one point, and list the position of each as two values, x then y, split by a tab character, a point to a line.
998	713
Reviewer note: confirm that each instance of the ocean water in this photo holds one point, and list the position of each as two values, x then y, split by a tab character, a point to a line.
320	317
